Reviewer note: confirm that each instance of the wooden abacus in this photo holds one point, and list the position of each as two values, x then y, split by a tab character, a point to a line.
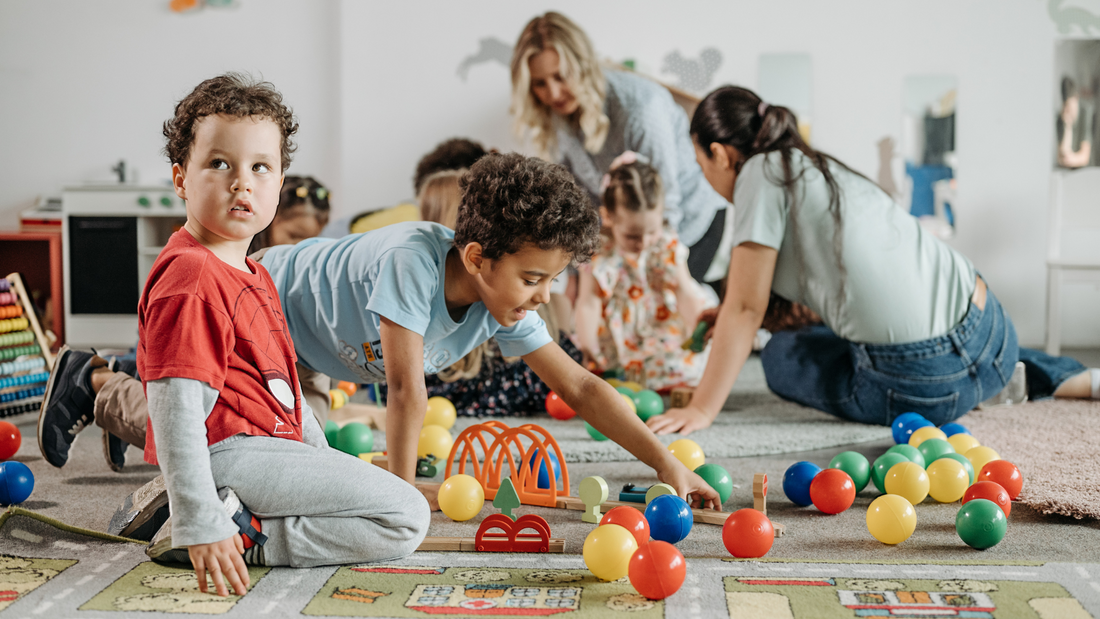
25	359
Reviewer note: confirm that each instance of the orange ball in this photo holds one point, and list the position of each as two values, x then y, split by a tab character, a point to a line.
10	440
630	519
1004	473
657	569
748	534
990	491
557	407
832	491
347	387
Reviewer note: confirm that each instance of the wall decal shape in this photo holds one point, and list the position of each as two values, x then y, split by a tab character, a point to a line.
490	49
695	74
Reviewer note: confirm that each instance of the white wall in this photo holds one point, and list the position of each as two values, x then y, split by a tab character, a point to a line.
376	86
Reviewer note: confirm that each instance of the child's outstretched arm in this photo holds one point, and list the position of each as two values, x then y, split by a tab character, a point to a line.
690	301
587	315
603	407
407	400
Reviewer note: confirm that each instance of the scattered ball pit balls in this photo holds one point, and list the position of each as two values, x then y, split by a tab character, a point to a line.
947	480
356	438
907	480
934	448
991	491
911	453
648	404
832	491
557	408
630	519
963	442
961	459
10	440
657	569
1004	473
748	534
461	497
904	424
796	482
855	465
891	519
882	466
544	475
718	478
688	452
594	433
981	524
332	433
607	551
440	412
980	456
669	518
922	434
951	429
16	482
435	441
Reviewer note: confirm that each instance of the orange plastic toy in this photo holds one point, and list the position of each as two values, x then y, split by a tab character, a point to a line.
512	538
506	454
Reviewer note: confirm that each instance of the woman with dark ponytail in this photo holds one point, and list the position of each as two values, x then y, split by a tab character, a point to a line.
909	324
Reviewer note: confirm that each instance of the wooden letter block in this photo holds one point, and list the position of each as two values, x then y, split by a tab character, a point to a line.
681	397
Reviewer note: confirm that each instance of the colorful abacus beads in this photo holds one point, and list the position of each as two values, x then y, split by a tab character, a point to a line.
8	298
26	365
19	351
11	311
26	379
4	285
17	337
13	324
22	395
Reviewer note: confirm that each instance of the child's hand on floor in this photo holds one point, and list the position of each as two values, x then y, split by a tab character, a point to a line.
683	420
691	487
430	492
218	558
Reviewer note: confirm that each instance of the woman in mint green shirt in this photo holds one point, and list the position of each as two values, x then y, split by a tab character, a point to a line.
909	325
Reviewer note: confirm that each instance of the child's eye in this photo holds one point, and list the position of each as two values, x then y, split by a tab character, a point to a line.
261	167
219	164
531	283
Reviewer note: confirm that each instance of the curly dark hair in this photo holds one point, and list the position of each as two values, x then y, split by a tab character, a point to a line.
232	94
510	200
452	154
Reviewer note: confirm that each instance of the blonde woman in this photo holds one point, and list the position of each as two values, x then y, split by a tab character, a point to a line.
583	117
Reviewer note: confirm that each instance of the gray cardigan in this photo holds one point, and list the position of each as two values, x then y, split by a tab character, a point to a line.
646	120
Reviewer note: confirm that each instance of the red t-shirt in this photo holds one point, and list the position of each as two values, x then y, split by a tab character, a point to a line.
202	319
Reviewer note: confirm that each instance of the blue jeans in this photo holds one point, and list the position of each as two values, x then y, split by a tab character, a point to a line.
941	378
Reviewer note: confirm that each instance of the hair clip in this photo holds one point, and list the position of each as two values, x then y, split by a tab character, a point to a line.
302	192
762	108
321	193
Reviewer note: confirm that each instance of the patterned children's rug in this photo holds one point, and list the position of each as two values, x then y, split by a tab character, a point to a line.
49	570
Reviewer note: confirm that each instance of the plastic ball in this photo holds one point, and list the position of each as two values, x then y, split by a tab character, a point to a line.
657	570
544	475
882	466
717	478
669	518
855	465
951	429
10	440
557	408
832	491
332	433
891	519
16	482
347	387
963	442
461	497
922	434
648	404
627	391
434	440
907	480
796	482
593	432
614	382
355	438
947	480
607	551
688	452
633	386
911	453
934	448
630	519
911	426
991	491
630	403
440	413
901	429
748	534
961	459
980	456
338	398
1004	473
981	524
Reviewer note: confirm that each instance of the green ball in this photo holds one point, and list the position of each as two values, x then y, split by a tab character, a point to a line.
882	466
933	448
911	453
718	478
593	432
981	524
648	403
627	391
331	432
855	465
355	438
969	466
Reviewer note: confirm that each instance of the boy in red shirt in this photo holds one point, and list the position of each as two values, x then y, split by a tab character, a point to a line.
226	418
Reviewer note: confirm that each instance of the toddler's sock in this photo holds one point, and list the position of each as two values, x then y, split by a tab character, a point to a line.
1094	375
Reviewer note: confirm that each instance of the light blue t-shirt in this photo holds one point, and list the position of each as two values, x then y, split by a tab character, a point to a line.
335	291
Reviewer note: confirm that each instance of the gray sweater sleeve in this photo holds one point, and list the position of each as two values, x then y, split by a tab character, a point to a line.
178	408
312	433
651	131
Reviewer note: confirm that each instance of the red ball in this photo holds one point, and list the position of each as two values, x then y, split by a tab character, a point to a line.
630	519
832	491
557	407
657	569
10	440
1004	473
748	534
991	491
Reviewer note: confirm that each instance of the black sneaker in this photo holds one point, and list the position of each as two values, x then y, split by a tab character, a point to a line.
114	449
68	405
142	513
162	550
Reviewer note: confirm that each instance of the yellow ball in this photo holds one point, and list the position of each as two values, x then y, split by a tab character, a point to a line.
891	519
607	551
434	440
614	382
947	480
963	442
980	456
461	497
907	480
923	434
633	386
689	452
339	398
630	403
440	413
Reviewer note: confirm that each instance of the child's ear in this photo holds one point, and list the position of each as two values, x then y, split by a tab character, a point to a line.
605	217
177	181
472	258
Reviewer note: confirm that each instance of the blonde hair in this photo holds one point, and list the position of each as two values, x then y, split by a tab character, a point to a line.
440	196
579	68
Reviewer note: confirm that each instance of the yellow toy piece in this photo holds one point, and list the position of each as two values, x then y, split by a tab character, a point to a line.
607	551
907	480
963	442
339	398
923	434
891	519
947	480
461	497
981	456
689	452
440	413
434	440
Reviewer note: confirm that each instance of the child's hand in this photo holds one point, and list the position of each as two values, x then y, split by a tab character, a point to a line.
430	492
691	487
709	316
683	420
218	558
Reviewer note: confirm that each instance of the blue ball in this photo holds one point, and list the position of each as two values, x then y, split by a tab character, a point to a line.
16	482
544	475
796	482
669	518
900	425
951	429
